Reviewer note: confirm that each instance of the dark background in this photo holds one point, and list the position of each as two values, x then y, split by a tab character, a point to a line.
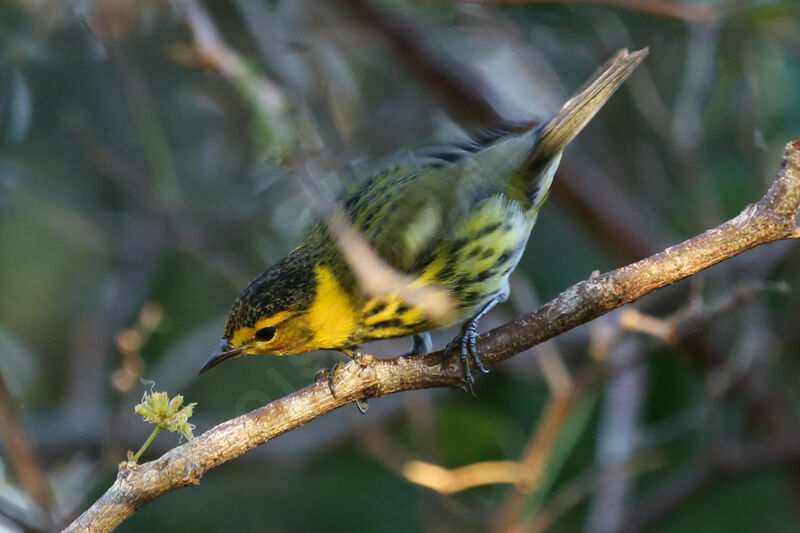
142	186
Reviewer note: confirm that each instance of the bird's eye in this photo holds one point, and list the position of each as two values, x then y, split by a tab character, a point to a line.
265	334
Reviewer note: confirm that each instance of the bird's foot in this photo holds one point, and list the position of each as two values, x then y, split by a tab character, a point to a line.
329	374
468	353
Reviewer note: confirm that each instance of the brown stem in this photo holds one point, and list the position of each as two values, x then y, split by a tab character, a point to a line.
688	12
461	91
30	476
536	456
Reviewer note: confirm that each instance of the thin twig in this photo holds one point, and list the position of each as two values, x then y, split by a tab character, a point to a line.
618	435
696	13
31	478
461	91
12	513
769	220
536	456
576	490
525	474
449	481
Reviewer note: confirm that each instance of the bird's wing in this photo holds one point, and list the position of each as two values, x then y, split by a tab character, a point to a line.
401	209
405	209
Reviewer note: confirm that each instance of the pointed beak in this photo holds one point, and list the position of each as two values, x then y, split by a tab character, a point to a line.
222	353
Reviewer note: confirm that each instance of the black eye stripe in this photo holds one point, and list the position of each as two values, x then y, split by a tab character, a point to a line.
265	334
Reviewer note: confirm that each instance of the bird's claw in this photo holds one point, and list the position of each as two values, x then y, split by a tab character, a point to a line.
468	351
328	374
362	359
362	406
467	387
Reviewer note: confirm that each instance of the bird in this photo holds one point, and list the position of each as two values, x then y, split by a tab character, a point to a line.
455	217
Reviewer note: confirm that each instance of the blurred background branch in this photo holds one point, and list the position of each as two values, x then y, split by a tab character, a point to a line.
676	9
31	478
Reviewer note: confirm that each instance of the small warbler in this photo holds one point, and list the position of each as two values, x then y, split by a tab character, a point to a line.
457	217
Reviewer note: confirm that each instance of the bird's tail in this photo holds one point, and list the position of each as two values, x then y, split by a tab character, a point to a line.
579	110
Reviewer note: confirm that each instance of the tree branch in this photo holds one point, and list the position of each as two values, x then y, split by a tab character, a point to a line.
770	219
460	90
692	13
31	478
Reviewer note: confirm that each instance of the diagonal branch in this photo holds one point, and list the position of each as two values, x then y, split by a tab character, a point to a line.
460	90
770	219
30	476
697	13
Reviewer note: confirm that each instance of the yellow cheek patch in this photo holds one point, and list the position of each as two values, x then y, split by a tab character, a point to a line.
241	336
331	315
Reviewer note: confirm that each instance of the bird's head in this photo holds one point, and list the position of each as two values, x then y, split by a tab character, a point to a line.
294	307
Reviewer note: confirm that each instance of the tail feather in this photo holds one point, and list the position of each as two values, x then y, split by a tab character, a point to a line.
579	110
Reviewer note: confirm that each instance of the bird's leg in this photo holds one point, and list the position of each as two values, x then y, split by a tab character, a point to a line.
466	341
420	343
